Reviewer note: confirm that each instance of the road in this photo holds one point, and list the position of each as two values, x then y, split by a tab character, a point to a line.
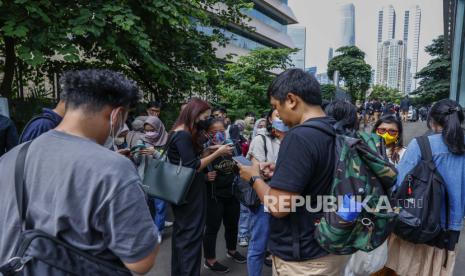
163	265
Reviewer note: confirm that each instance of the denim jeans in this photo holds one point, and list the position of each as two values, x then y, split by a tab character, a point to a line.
244	223
260	230
160	214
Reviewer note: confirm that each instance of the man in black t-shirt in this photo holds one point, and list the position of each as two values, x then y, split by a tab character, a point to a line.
304	168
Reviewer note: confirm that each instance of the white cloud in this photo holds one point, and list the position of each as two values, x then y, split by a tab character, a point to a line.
320	18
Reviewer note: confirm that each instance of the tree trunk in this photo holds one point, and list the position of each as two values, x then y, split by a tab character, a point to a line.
10	60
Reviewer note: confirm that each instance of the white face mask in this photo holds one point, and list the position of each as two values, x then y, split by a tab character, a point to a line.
261	131
110	143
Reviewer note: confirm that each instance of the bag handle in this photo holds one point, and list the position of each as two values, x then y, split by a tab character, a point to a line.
19	181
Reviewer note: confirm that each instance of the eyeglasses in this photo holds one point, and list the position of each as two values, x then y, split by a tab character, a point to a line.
392	132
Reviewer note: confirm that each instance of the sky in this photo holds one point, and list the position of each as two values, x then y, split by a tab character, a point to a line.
320	19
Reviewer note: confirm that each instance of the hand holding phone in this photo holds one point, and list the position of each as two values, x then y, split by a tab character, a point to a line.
242	160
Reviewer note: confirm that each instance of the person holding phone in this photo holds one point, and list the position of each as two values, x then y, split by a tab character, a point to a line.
222	206
186	146
264	148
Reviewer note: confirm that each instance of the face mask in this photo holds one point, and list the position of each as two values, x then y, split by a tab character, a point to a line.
151	135
202	124
218	138
261	131
279	125
119	141
388	138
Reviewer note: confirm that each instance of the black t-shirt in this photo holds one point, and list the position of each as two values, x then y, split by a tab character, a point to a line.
224	168
305	166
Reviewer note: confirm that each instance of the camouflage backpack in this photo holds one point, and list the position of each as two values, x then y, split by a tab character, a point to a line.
362	173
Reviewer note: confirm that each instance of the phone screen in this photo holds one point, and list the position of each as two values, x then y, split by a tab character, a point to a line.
242	160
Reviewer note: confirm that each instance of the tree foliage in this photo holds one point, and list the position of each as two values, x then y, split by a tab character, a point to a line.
353	70
384	93
328	92
157	43
244	83
435	77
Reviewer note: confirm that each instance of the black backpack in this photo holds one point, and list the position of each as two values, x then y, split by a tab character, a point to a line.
420	198
37	248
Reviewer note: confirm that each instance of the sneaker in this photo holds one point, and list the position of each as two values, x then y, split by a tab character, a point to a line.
243	242
237	257
216	267
168	224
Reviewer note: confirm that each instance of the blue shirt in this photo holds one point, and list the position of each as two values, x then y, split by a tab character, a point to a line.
452	169
41	125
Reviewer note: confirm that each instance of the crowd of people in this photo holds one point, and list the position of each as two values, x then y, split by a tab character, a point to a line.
85	168
370	111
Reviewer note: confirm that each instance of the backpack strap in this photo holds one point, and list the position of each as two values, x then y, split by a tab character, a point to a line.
19	181
264	147
321	126
425	148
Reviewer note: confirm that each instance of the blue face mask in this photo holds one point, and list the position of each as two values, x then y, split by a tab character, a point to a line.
279	125
218	138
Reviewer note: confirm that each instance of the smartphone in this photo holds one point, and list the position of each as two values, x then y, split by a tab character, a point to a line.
242	160
138	147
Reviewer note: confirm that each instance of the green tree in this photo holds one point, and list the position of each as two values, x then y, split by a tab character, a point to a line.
384	93
328	91
435	77
353	70
157	43
245	82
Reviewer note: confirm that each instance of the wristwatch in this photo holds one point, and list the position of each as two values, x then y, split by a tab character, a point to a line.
253	179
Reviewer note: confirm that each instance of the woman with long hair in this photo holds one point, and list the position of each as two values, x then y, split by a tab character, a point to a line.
185	145
448	149
390	129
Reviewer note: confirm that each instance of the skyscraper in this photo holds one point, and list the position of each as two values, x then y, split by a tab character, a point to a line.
346	28
311	70
298	36
330	54
390	69
386	24
410	38
412	24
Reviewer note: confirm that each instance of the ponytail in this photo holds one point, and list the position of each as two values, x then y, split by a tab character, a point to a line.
449	115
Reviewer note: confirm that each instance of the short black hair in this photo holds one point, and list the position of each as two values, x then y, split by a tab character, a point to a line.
95	88
155	104
298	82
220	109
250	114
344	112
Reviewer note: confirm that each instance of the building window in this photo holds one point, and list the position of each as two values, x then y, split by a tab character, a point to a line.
265	19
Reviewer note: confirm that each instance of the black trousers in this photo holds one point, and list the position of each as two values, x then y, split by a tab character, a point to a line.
188	228
221	209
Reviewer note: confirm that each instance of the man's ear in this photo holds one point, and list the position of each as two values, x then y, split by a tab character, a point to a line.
292	101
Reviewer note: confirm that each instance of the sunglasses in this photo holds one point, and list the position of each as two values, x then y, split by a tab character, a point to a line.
392	132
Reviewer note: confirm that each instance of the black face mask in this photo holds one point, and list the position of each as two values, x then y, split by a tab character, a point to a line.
202	124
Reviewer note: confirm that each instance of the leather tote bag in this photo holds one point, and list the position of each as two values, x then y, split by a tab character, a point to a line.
167	181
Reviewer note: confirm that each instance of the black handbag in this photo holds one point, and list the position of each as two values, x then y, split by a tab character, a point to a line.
167	181
36	247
